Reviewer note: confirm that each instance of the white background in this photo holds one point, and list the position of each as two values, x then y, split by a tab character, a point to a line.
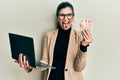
35	17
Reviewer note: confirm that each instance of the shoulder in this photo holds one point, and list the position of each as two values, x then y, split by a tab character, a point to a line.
51	32
76	32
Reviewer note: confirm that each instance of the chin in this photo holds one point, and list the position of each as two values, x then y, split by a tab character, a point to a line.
66	28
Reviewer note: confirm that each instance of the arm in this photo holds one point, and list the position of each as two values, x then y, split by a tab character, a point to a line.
80	59
45	50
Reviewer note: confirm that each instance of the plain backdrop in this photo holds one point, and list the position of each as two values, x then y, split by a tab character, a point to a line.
35	17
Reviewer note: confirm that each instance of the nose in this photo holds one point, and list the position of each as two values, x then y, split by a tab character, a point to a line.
65	18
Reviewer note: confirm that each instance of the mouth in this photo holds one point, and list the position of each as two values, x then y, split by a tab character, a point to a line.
65	24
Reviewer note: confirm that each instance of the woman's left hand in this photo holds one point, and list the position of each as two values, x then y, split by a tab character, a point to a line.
87	37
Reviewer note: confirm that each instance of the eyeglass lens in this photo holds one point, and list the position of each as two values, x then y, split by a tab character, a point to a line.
62	16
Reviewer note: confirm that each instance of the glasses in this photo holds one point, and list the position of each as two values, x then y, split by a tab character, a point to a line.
62	16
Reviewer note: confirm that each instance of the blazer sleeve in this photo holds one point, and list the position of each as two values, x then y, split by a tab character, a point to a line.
45	50
80	58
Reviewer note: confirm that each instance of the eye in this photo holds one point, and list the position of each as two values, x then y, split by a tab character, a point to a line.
70	14
62	16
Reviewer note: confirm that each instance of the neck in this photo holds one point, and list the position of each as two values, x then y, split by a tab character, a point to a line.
62	31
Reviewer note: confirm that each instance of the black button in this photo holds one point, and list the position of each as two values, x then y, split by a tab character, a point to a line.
66	69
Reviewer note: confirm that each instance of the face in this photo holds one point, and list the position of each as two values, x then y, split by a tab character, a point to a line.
65	18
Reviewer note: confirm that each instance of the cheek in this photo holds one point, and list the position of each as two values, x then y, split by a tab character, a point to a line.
59	22
71	20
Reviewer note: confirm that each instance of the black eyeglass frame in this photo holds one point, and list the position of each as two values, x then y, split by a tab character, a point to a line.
69	16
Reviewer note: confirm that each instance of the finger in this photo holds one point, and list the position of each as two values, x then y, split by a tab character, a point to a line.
24	59
88	37
27	63
89	34
21	60
85	35
84	38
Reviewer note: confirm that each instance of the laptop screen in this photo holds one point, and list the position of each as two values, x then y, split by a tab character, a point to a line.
22	44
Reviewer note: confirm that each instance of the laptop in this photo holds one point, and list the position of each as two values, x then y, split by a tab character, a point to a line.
24	44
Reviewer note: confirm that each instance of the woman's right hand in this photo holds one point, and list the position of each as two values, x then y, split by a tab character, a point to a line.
23	62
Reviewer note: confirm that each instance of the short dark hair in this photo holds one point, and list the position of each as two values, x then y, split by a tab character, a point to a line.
64	5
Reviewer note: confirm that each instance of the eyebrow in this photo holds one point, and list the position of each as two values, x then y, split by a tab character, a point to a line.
67	13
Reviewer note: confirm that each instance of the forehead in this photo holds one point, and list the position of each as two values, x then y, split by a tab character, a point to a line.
66	10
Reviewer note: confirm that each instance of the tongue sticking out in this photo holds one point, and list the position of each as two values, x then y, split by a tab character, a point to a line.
65	25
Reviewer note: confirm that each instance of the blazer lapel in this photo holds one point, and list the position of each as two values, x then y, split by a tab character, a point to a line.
51	48
70	45
52	44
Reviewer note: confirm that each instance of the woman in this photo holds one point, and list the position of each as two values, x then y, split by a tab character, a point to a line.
63	48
